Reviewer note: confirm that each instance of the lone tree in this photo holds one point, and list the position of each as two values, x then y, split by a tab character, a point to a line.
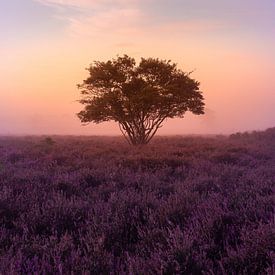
138	97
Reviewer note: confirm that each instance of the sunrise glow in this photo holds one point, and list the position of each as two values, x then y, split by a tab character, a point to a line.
47	44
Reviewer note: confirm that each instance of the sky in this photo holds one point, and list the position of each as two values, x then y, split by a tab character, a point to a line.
45	46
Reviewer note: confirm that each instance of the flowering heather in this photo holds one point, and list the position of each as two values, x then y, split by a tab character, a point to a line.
95	205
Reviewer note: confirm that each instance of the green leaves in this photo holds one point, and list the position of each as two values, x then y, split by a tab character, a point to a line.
138	95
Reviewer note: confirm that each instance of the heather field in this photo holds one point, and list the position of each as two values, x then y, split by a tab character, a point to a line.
95	205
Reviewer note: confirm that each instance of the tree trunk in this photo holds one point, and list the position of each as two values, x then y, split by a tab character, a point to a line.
139	134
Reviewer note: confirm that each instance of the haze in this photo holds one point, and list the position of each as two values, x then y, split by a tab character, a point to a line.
46	45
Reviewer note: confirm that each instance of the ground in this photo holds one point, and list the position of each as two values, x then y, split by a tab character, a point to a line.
180	205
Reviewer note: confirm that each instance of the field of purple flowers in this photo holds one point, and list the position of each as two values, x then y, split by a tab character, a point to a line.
95	205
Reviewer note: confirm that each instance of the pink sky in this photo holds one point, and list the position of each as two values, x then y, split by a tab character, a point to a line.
47	44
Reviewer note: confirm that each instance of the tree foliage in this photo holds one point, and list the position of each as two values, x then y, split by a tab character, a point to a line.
138	97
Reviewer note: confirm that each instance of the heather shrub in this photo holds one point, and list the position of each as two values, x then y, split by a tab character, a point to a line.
181	205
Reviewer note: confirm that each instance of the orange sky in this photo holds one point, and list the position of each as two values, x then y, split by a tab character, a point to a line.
231	50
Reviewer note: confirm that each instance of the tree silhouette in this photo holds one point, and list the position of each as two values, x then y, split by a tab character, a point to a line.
138	97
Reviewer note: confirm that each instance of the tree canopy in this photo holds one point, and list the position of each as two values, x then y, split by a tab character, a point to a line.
138	97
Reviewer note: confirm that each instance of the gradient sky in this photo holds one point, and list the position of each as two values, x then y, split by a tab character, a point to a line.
45	46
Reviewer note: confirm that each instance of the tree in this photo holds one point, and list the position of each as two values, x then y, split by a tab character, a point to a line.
138	97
